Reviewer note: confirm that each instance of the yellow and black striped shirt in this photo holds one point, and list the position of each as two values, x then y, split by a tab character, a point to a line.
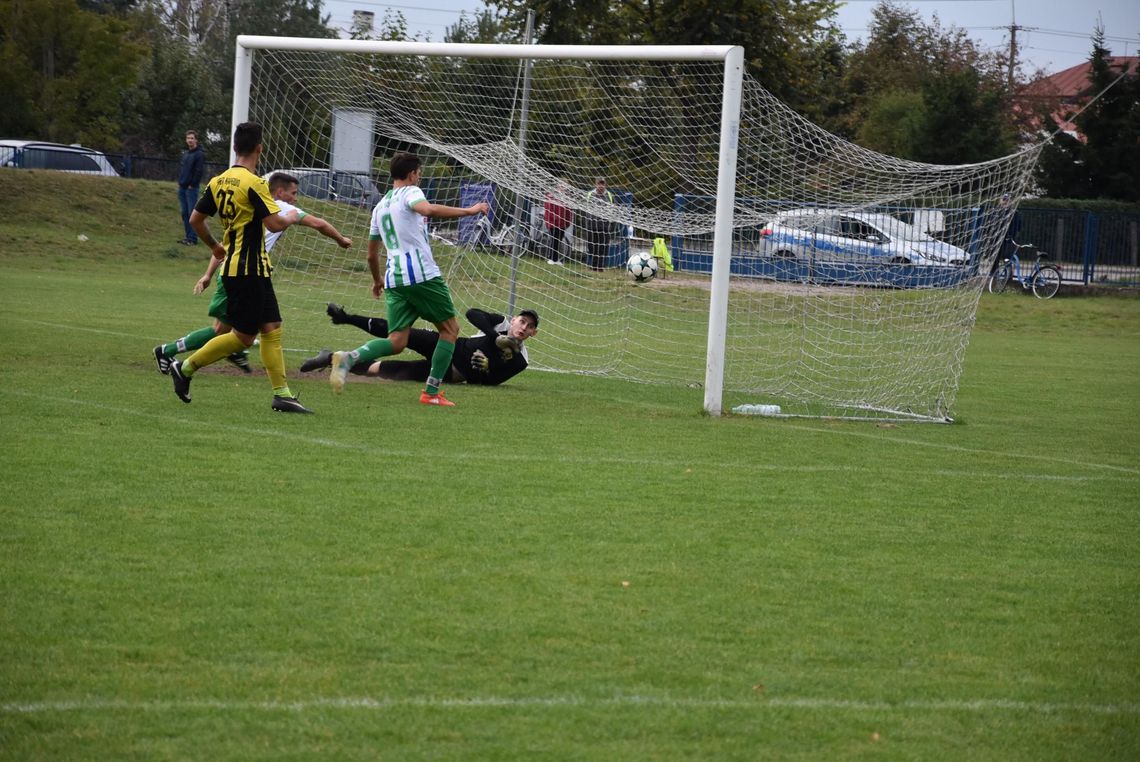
242	200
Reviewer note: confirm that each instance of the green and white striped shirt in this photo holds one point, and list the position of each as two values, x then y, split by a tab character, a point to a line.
404	233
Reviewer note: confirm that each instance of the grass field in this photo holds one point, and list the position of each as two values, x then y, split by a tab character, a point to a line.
561	568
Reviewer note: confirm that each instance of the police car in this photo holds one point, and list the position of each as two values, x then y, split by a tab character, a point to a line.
828	234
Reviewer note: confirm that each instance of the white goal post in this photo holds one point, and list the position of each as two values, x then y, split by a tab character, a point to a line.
797	269
732	56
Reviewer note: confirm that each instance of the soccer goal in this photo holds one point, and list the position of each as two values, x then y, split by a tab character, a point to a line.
804	271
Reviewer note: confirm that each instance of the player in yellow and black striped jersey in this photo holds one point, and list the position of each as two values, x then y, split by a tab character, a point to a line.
242	201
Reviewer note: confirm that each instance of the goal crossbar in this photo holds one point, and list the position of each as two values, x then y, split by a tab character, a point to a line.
731	55
484	50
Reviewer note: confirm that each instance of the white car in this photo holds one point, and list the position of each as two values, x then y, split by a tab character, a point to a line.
36	154
828	234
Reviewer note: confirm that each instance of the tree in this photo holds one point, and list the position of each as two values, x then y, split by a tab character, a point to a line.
790	46
961	106
483	27
1060	173
175	92
393	27
186	81
1106	164
966	118
65	71
894	123
1111	125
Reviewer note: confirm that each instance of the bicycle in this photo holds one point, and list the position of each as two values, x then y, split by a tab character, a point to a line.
1044	280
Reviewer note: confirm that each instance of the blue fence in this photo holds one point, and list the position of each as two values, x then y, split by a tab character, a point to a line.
1098	249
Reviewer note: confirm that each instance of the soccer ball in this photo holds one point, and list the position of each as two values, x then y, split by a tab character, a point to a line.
642	267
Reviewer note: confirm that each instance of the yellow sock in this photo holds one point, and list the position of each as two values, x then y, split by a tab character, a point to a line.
274	361
213	350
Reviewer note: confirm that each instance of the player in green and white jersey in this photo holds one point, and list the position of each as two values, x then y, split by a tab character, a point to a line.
412	282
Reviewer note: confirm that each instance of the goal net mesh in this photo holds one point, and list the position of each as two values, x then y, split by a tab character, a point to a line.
855	276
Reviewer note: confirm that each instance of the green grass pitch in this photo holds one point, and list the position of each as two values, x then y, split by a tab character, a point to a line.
561	568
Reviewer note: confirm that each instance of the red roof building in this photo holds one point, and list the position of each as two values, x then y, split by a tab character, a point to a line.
1067	92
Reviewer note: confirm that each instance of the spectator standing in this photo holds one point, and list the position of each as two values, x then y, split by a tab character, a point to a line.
189	180
1009	210
1008	216
597	228
556	219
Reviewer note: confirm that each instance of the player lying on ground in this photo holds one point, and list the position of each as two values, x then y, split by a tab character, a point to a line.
489	358
283	188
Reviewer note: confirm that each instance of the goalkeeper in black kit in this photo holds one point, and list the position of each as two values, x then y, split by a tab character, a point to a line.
488	358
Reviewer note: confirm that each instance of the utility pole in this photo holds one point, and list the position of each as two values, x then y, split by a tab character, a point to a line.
1012	63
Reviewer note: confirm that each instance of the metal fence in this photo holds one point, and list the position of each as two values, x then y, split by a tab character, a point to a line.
1095	249
150	168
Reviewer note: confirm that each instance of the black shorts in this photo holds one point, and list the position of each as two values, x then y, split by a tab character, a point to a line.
250	304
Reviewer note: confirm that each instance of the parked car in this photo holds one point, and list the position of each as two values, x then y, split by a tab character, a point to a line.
830	234
34	154
335	185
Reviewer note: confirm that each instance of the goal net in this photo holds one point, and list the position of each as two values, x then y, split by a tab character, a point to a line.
852	277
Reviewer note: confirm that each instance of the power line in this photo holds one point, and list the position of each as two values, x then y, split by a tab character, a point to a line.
346	23
401	7
1033	29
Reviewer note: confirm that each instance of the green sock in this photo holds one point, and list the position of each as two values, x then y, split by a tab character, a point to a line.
440	362
372	350
189	342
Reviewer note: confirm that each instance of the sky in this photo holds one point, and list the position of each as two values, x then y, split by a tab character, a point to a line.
1055	34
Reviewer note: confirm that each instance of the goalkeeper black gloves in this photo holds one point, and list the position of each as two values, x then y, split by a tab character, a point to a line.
479	361
507	346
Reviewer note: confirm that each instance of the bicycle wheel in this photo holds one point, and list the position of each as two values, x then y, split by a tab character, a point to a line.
1046	282
1000	279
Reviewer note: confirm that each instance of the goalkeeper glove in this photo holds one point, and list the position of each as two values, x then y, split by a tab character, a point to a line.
507	346
479	361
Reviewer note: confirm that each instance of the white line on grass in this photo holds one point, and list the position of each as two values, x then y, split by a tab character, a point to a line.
105	332
527	702
959	448
481	456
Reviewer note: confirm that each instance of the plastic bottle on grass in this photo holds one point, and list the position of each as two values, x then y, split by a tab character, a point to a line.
757	409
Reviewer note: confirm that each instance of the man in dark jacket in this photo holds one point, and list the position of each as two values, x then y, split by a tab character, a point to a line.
489	358
597	229
189	179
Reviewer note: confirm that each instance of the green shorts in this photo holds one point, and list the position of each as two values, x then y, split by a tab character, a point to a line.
430	300
218	303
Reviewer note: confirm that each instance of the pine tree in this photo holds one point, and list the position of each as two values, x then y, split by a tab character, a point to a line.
1106	163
